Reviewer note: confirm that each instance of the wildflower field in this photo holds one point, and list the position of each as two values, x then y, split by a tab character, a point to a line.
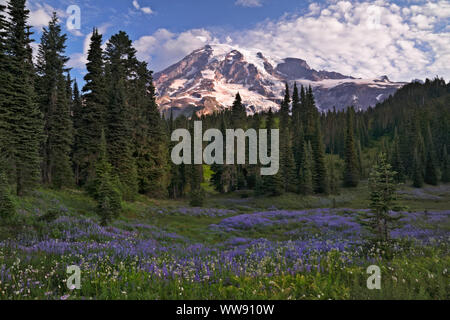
160	250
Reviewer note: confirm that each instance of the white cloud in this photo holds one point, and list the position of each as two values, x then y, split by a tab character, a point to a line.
164	48
249	3
363	39
137	6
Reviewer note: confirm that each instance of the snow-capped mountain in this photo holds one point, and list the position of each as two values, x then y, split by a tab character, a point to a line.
209	78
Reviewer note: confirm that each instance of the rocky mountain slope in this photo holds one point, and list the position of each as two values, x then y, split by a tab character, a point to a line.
209	78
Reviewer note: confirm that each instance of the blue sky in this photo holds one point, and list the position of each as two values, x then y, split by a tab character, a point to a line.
403	39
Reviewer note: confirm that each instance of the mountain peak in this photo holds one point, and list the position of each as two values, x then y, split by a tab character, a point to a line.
209	78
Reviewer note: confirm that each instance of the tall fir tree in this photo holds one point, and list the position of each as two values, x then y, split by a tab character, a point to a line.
272	185
93	111
55	105
7	208
5	86
77	113
445	167
396	159
351	170
431	170
382	187
287	162
306	185
23	117
106	187
417	173
120	63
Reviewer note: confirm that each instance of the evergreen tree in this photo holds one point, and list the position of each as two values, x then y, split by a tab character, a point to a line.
351	170
7	208
320	171
93	115
445	166
238	113
396	159
431	171
107	193
417	170
306	176
297	128
23	118
272	184
287	162
152	144
77	128
382	200
55	106
5	86
119	56
333	179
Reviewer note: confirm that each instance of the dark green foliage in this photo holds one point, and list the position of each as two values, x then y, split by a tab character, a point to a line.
431	171
287	162
380	221
306	171
396	159
333	177
119	62
445	166
7	208
238	113
151	140
77	127
5	89
55	105
417	175
197	197
93	112
106	191
272	184
320	171
23	118
351	170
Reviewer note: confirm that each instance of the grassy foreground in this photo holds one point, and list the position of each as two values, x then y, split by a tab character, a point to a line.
237	247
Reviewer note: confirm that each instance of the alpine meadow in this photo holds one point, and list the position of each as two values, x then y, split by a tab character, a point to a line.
228	174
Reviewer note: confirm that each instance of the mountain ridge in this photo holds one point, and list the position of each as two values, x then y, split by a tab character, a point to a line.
208	79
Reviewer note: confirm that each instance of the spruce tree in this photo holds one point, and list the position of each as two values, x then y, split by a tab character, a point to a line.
23	117
445	167
119	61
351	170
107	192
7	208
396	159
77	128
287	162
306	186
55	106
320	171
272	184
417	173
431	171
151	143
5	88
380	221
93	115
297	128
